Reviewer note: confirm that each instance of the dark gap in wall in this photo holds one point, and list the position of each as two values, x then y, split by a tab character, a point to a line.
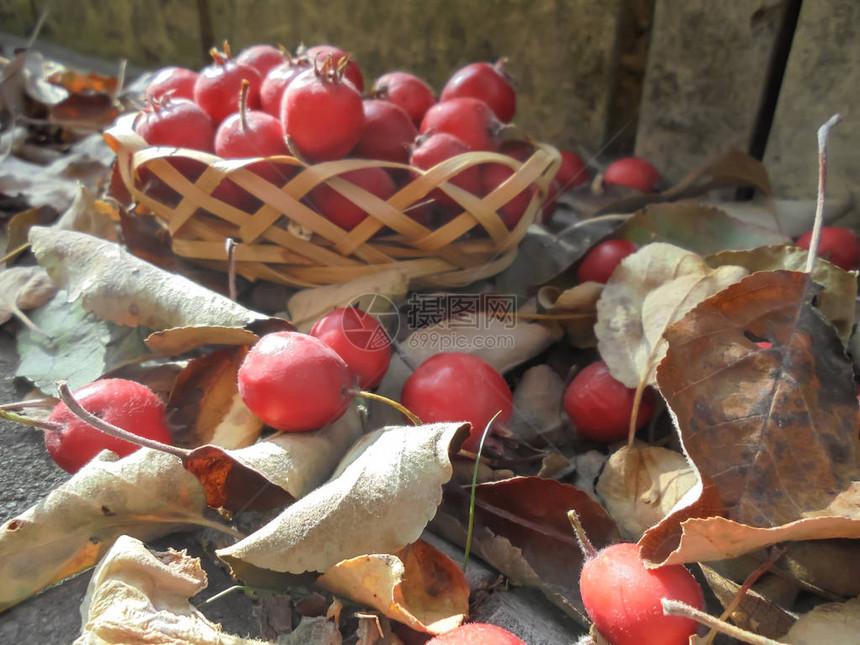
207	31
773	80
631	58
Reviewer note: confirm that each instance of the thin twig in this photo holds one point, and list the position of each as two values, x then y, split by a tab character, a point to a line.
230	245
585	544
823	134
471	527
108	428
678	608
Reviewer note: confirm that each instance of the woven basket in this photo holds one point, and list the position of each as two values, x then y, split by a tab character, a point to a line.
286	241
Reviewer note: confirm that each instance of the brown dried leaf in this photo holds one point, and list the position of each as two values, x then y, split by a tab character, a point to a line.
378	501
147	494
641	484
648	291
578	308
206	406
755	613
834	623
136	596
772	431
836	300
522	529
419	586
276	471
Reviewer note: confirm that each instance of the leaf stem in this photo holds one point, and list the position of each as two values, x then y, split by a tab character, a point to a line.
585	544
108	428
823	135
471	527
41	424
678	608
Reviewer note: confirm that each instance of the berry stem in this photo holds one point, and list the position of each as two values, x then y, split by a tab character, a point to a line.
585	544
394	404
823	134
243	104
678	608
108	428
41	424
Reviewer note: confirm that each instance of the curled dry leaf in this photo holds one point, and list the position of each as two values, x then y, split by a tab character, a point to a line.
836	623
836	300
205	404
699	227
378	501
23	288
276	471
136	596
419	586
576	308
772	431
648	291
117	286
640	484
147	494
521	529
308	305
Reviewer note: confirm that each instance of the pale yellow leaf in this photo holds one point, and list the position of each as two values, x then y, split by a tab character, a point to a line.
833	623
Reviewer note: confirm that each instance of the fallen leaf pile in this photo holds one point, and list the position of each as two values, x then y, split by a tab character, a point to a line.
755	445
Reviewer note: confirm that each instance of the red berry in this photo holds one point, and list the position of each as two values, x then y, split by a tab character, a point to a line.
360	340
343	211
476	634
489	83
494	175
838	245
452	386
469	119
322	113
436	148
261	57
295	382
622	597
406	90
177	81
572	171
176	122
318	53
600	406
276	82
633	173
599	263
387	134
218	87
126	404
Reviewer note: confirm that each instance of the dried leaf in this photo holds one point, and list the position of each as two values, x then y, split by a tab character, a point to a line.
833	623
88	215
648	291
379	500
419	586
74	346
579	304
205	404
537	406
308	305
755	613
146	494
136	596
522	529
274	472
117	286
830	565
640	484
773	431
836	300
23	288
315	630
698	227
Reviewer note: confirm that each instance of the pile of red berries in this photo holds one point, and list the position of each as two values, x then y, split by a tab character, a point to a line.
266	102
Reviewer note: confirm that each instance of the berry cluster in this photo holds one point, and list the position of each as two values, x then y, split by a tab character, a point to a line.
267	102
